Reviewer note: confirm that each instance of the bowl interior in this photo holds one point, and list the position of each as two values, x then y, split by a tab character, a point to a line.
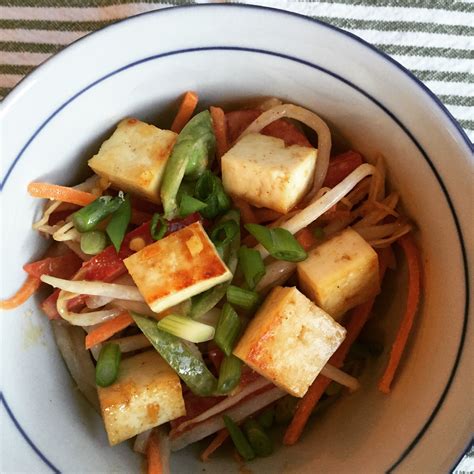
364	431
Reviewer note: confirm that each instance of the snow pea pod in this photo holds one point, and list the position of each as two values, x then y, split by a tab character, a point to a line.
190	368
191	154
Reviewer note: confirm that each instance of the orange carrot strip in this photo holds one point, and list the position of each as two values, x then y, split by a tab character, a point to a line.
220	130
246	211
186	110
357	320
215	443
155	463
412	255
27	289
60	193
108	329
266	215
306	238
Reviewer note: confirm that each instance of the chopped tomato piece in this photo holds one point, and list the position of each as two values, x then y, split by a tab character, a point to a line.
239	120
341	166
64	266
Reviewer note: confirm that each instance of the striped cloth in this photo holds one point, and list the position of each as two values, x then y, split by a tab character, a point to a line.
432	38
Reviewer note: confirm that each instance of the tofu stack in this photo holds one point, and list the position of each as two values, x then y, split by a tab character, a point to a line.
293	334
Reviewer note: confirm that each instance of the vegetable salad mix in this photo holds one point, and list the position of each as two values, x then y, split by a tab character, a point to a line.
215	279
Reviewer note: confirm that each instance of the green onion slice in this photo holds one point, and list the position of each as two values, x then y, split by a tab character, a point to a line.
186	328
258	439
209	190
246	299
158	226
117	227
89	216
228	329
280	243
252	266
107	368
224	233
238	438
188	205
229	374
93	242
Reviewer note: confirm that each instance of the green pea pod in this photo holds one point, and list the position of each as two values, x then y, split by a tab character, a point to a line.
88	217
117	227
190	157
205	301
190	368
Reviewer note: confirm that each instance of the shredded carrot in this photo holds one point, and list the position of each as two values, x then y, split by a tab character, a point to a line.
108	329
60	193
155	462
357	320
267	215
412	255
220	130
215	443
246	212
306	238
186	110
27	289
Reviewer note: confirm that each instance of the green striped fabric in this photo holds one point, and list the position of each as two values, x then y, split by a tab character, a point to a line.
432	38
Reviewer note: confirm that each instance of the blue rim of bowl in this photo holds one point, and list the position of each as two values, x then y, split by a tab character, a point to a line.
307	63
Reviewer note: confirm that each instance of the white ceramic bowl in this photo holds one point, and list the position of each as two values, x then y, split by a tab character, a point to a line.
55	119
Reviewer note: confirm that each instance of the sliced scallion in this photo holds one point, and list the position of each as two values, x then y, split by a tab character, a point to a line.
228	329
209	190
238	438
246	299
107	368
252	266
280	243
93	242
229	374
89	216
186	328
188	205
258	439
225	232
158	226
117	227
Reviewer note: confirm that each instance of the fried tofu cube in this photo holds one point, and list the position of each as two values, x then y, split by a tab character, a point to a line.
265	173
133	159
177	267
289	340
341	273
147	393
